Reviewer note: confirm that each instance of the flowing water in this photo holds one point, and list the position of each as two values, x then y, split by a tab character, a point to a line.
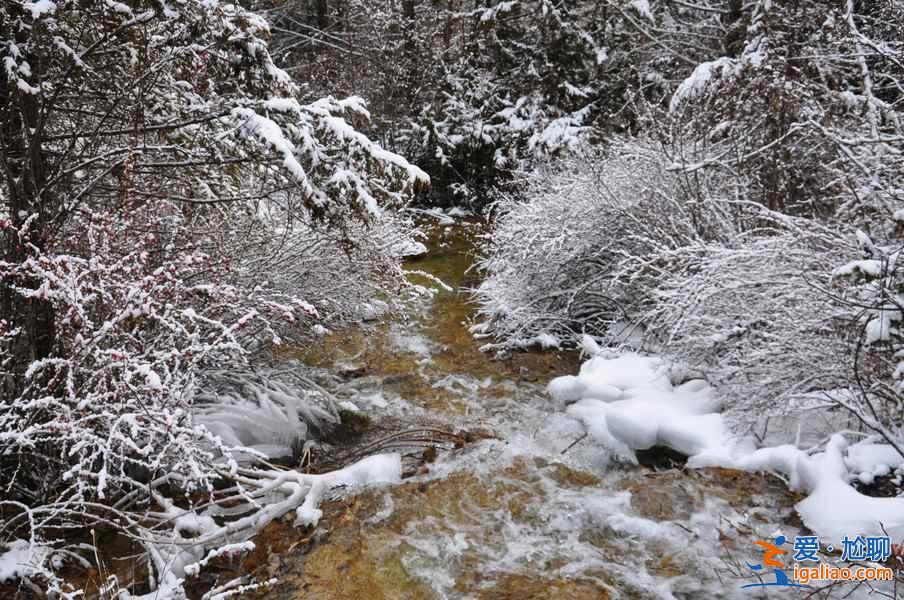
517	509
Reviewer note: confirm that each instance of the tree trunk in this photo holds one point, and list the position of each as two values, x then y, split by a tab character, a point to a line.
25	174
323	11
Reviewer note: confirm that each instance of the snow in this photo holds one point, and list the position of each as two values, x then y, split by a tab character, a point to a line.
21	559
409	248
40	8
627	402
699	80
355	104
643	8
872	268
589	346
379	469
866	460
268	132
119	7
834	509
546	340
341	129
880	328
349	405
25	88
227	550
489	14
282	104
152	379
568	132
373	310
566	389
626	371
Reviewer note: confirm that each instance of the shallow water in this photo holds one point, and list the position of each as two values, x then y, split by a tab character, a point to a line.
525	512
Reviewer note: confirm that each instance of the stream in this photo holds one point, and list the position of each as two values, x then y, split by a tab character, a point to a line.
526	508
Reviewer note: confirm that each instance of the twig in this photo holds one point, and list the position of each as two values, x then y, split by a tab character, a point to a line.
574	443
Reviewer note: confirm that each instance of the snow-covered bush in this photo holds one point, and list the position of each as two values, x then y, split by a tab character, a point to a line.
133	395
631	241
752	315
870	291
585	242
720	244
172	209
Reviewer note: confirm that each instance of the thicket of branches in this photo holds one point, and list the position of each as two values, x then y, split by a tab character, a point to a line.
750	228
472	91
172	206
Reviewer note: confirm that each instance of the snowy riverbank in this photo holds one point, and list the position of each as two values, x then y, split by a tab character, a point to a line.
627	403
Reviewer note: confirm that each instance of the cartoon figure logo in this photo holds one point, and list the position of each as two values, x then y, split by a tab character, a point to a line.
770	551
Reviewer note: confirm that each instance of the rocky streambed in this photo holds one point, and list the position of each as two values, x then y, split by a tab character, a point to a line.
503	498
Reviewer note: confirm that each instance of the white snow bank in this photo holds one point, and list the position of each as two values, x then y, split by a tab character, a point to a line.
833	509
836	508
628	403
867	460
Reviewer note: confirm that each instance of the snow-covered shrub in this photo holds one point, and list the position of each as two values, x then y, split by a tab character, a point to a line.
633	241
584	243
751	314
870	291
132	404
172	209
